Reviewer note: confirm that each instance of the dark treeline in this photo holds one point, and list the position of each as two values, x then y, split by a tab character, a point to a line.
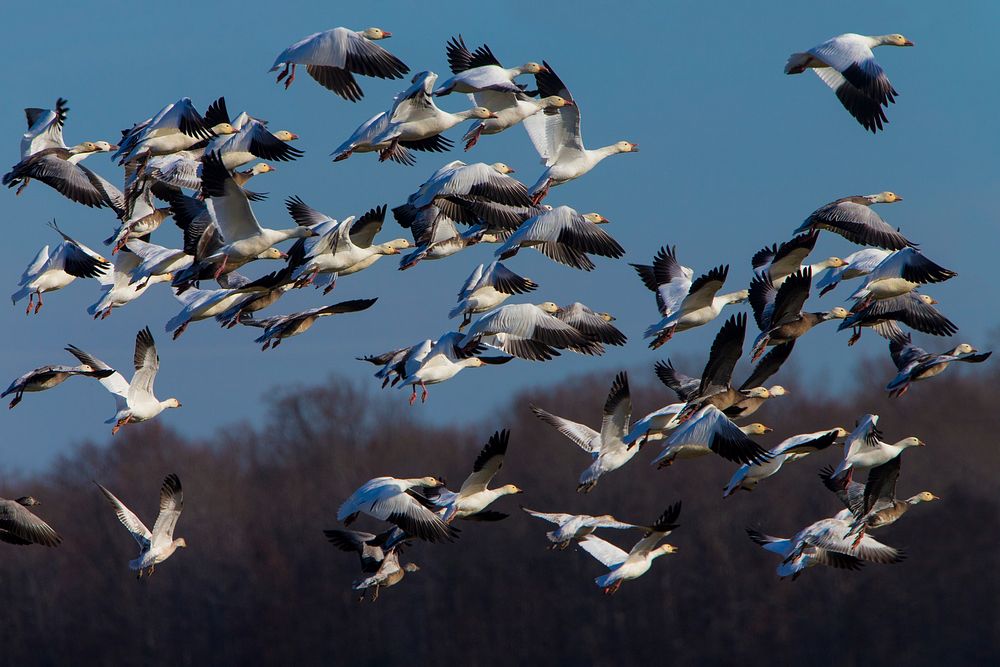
260	585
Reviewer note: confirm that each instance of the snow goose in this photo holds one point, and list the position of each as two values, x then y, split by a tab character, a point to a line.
575	527
914	363
853	218
243	236
435	361
847	65
278	328
564	236
157	545
901	272
360	141
655	425
201	304
823	543
472	499
607	447
855	265
557	139
710	430
480	181
371	549
627	566
781	261
45	128
486	288
332	57
687	388
255	142
389	573
176	127
683	303
398	501
749	475
52	271
778	311
156	260
863	448
528	331
874	503
19	525
47	377
134	401
118	288
479	70
58	168
436	236
510	109
595	326
915	310
715	386
415	116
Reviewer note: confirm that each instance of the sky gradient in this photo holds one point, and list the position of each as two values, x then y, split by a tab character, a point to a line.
734	155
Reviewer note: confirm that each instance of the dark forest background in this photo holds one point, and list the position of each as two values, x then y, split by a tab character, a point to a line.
259	584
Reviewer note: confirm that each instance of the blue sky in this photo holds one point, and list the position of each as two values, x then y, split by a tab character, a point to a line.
734	154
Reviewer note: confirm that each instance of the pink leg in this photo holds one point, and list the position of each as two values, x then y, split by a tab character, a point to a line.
222	267
423	395
474	138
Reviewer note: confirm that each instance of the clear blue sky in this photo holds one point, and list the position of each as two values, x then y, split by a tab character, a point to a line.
734	154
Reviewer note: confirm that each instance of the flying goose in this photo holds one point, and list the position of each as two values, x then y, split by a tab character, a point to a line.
486	288
472	499
595	326
159	544
176	127
857	264
435	361
627	566
781	261
778	311
823	543
202	304
134	401
156	260
915	310
479	71
863	448
901	272
334	56
458	182
607	447
510	109
564	236
436	236
655	425
389	573
47	377
683	303
708	431
117	286
557	138
361	139
280	327
371	549
749	475
853	218
397	501
873	504
914	363
847	65
415	116
575	527
52	271
529	331
59	168
45	128
19	525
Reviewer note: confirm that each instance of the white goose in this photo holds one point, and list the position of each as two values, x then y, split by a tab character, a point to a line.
415	117
683	303
134	401
432	362
708	431
156	260
479	70
565	236
475	496
574	527
627	566
52	271
510	109
398	501
486	288
557	139
118	286
176	127
157	545
607	447
857	264
749	475
853	218
863	449
333	56
846	64
899	273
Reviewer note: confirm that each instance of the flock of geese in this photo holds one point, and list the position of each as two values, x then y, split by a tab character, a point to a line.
193	167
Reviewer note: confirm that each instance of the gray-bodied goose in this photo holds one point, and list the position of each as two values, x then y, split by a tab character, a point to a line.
479	71
781	261
19	525
565	236
749	475
58	168
915	310
47	377
853	218
389	573
280	327
397	501
915	364
332	57
575	527
778	311
528	331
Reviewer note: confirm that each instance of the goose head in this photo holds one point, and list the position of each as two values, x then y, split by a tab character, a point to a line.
104	146
262	168
480	112
285	135
911	441
532	68
922	497
502	168
555	102
171	403
223	128
756	429
375	34
738	297
663	549
759	392
894	40
595	218
884	198
84	147
180	542
841	432
431	482
607	317
398	244
927	299
964	348
626	147
837	313
549	307
272	253
509	489
27	501
411	567
832	263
